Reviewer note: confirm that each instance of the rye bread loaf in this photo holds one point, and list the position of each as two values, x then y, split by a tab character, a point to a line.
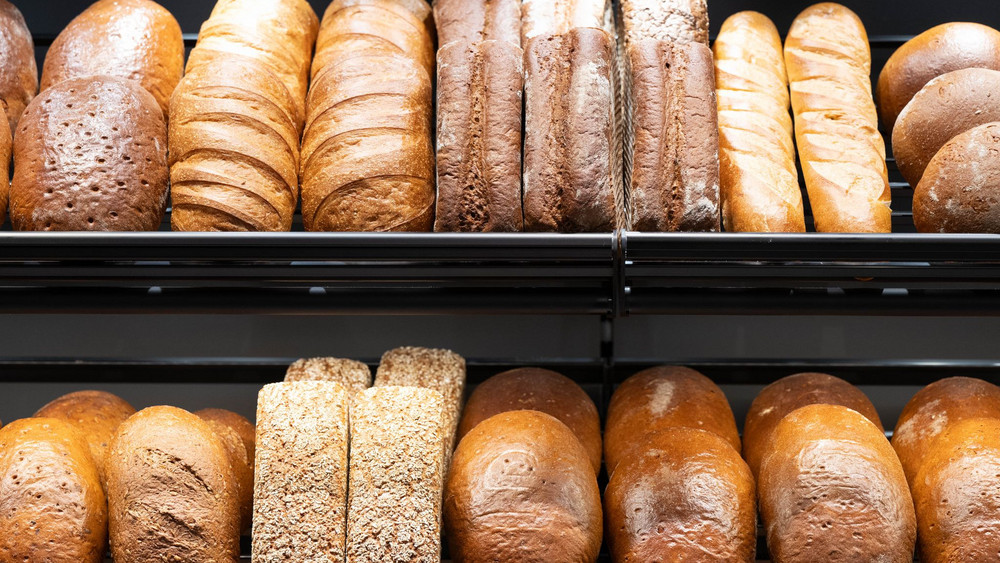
674	21
558	17
239	437
171	491
52	506
133	39
479	102
19	79
91	155
355	376
478	20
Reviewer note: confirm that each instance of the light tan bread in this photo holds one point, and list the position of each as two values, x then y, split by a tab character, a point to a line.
19	79
355	376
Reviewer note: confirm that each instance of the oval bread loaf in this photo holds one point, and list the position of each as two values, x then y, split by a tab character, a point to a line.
19	79
239	436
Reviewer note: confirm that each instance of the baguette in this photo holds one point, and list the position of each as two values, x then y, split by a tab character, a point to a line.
19	79
759	182
353	375
478	20
836	127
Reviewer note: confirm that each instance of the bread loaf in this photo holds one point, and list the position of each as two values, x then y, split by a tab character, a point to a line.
300	488
96	414
538	390
133	39
960	188
674	174
836	127
941	49
831	489
936	408
353	375
572	180
559	17
778	399
396	475
956	495
19	79
522	489
239	437
53	508
758	179
664	397
478	20
949	105
688	496
674	21
479	90
171	491
6	148
91	155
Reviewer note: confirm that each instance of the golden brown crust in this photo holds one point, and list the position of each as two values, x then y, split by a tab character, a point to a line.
841	150
539	390
133	39
52	505
664	397
687	496
6	148
19	79
240	438
831	489
521	488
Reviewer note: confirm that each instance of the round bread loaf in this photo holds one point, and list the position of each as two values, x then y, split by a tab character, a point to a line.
960	190
521	488
941	49
688	496
96	414
956	494
134	39
664	397
948	105
240	438
933	410
171	491
6	147
19	76
778	399
831	489
52	506
91	155
541	390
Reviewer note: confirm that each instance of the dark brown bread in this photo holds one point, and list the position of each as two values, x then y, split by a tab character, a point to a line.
134	39
91	155
778	399
571	170
936	408
688	496
956	494
831	489
538	390
948	105
940	49
52	508
674	182
6	148
960	190
521	488
479	137
96	414
171	491
673	21
19	79
240	438
478	20
664	397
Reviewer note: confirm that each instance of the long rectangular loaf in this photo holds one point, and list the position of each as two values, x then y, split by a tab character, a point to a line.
557	17
679	21
396	476
355	376
300	485
479	137
478	20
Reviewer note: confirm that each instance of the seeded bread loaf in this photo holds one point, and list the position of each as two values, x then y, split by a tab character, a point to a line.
478	20
355	376
91	155
239	437
19	79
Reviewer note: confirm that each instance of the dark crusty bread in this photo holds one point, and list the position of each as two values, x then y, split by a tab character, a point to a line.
960	189
355	376
96	414
940	49
19	79
831	489
687	496
948	105
936	408
538	390
91	155
521	488
479	90
171	491
674	180
6	148
53	508
558	17
778	399
239	436
664	397
956	495
134	39
674	21
478	20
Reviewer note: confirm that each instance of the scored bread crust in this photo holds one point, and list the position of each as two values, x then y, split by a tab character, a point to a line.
19	79
478	20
